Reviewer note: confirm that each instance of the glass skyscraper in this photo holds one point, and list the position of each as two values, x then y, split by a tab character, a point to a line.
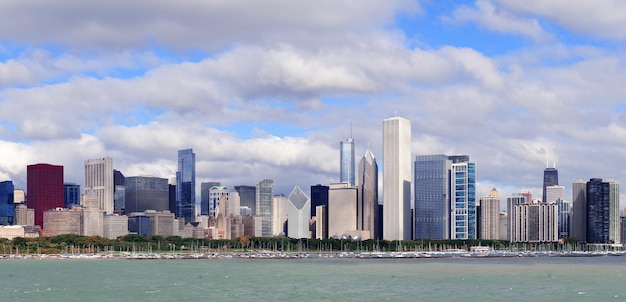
186	185
603	211
44	185
550	178
264	200
71	195
445	197
346	173
7	206
367	207
463	205
432	199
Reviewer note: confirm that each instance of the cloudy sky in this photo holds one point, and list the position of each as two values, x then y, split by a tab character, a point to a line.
267	89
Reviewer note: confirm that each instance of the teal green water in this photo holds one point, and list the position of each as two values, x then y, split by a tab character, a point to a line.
458	279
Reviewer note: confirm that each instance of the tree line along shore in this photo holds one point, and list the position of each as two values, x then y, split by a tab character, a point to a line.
76	244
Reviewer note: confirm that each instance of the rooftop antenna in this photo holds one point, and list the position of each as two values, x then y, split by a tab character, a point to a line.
350	129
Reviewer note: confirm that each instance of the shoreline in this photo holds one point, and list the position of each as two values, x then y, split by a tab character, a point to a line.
306	255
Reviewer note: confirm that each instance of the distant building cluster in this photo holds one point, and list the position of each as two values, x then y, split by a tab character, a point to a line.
444	204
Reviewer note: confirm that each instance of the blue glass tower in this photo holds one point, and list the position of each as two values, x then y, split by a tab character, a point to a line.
445	197
346	173
7	207
186	185
432	200
550	178
71	195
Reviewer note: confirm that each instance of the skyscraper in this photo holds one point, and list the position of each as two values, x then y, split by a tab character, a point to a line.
550	178
490	216
264	199
71	195
146	193
368	195
579	211
44	186
603	211
247	197
216	195
319	197
7	206
554	193
119	192
204	196
396	179
298	211
463	203
99	181
432	197
186	185
346	173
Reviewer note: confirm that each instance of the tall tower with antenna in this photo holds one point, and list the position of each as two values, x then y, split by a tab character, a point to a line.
550	178
347	160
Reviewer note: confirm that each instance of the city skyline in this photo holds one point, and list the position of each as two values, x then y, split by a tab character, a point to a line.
272	96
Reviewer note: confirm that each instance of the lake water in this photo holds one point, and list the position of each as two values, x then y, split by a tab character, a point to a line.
450	279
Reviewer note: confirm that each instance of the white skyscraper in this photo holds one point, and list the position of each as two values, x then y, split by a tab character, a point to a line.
396	179
99	181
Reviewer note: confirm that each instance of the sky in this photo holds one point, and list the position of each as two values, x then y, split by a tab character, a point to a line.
268	89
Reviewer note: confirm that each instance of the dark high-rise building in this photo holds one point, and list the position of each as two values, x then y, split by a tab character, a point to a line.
146	193
186	185
119	191
247	197
71	195
7	206
550	178
139	224
602	211
44	186
172	199
204	196
367	204
319	197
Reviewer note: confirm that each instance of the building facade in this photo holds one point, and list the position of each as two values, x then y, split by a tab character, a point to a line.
99	181
146	193
346	161
603	211
463	203
186	185
204	196
367	207
44	185
342	209
71	195
24	215
550	178
397	179
432	197
264	199
299	214
119	192
489	225
579	211
215	198
7	205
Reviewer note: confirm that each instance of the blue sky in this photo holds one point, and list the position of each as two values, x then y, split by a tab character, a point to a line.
268	89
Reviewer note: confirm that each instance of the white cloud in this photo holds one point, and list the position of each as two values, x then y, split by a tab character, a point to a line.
193	24
601	18
491	17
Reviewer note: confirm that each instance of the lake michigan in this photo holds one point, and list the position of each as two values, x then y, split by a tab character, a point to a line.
336	279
